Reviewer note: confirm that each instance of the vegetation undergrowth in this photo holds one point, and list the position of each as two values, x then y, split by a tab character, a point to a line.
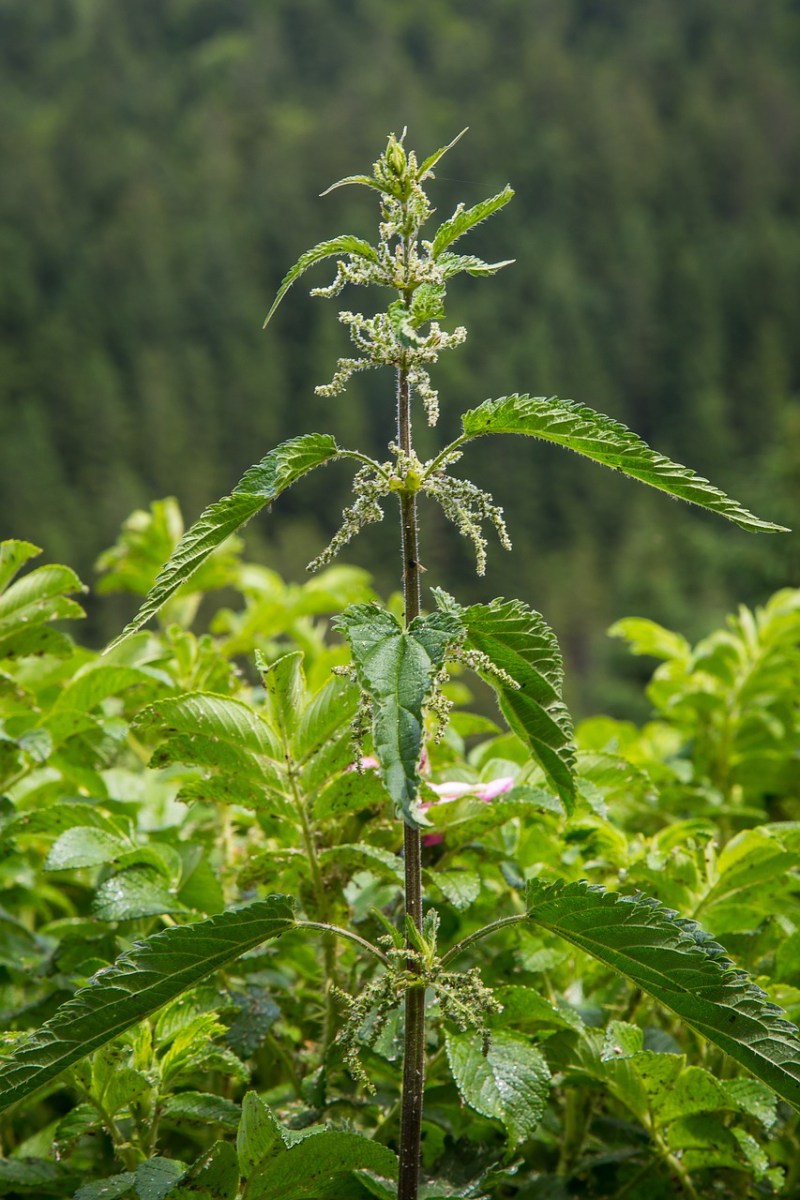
328	932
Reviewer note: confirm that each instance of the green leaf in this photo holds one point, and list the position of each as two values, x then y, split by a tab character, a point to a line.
215	1176
13	555
350	793
83	846
511	1083
459	887
366	858
38	597
345	244
464	219
608	442
364	180
138	892
454	264
140	982
108	1189
306	1171
258	487
397	667
427	164
229	721
260	1135
156	1176
518	640
678	964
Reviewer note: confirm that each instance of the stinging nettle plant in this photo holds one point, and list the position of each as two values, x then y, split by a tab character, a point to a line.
399	669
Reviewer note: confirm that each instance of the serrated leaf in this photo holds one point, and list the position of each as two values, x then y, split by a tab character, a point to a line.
214	1176
518	640
464	219
397	667
605	441
454	264
678	964
258	487
364	180
511	1083
221	718
430	162
156	1176
140	982
260	1136
307	1169
345	244
203	1107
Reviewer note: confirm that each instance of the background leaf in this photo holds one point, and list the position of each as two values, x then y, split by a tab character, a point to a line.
510	1083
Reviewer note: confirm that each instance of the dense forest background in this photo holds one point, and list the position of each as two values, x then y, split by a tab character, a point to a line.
161	165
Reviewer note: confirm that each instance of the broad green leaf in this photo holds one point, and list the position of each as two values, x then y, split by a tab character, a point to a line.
510	1083
307	1170
145	978
13	555
111	1188
84	846
517	640
230	721
38	597
98	680
397	667
608	442
34	1177
345	244
464	219
285	686
258	487
350	793
156	1176
678	964
260	1136
138	892
459	887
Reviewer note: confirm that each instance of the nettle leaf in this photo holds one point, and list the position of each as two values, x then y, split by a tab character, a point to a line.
678	964
309	1169
518	640
464	219
84	846
138	892
605	441
454	264
141	981
345	244
214	1176
511	1083
397	667
427	164
258	487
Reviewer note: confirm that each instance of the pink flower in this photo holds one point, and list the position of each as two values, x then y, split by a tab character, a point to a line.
457	788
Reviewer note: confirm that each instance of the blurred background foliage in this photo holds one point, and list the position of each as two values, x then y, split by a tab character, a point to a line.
161	168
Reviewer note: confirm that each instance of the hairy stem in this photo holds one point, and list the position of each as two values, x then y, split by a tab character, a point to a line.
414	1050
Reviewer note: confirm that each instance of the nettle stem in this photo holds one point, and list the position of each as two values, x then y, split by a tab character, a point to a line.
414	1049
